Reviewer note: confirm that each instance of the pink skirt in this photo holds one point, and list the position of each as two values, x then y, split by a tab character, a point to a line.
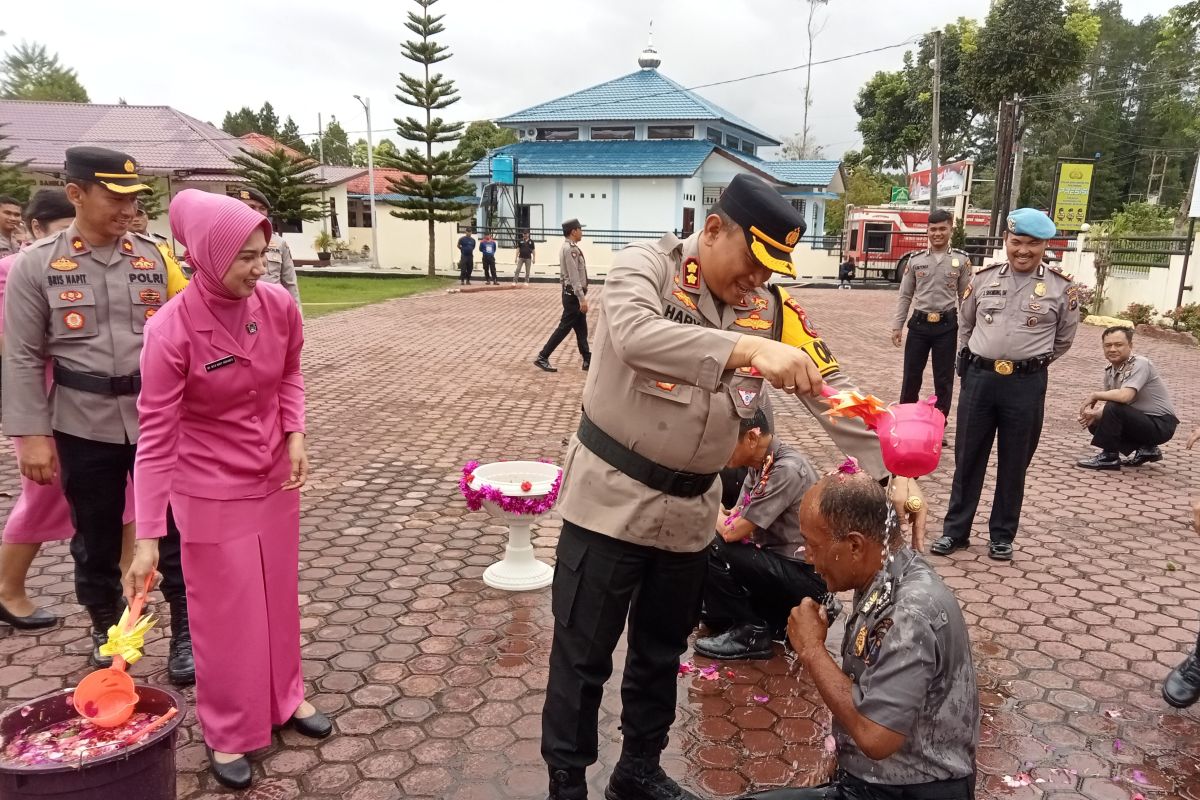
41	513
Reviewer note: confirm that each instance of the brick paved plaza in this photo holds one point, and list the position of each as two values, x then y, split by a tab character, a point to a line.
435	681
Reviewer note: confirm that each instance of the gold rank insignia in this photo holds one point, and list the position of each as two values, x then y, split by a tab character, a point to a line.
244	194
71	295
129	166
792	237
754	322
860	641
967	292
77	244
64	264
142	262
1040	289
691	274
682	296
666	387
73	320
127	246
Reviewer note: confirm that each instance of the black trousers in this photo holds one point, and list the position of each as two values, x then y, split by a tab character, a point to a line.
93	479
940	339
465	267
573	319
1123	429
598	583
847	787
489	268
749	585
1006	410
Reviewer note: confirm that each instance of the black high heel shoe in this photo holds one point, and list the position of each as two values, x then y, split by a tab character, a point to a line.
40	618
235	774
314	726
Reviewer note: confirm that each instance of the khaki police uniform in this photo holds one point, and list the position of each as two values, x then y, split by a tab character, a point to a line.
1146	422
634	543
280	267
7	246
1013	326
930	287
573	274
84	308
907	651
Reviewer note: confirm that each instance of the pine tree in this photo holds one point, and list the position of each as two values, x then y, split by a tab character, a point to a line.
152	202
12	177
290	184
289	136
268	121
337	150
30	73
435	181
240	122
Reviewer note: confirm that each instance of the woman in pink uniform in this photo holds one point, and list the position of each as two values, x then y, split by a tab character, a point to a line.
41	513
222	441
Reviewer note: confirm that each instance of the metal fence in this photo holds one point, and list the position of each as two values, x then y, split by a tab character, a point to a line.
1137	254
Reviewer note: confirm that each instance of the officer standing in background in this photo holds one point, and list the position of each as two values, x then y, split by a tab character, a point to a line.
1181	689
687	336
10	224
525	256
1017	318
82	298
933	281
573	268
177	281
280	268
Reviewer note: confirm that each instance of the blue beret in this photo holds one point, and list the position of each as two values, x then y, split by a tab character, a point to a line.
1031	222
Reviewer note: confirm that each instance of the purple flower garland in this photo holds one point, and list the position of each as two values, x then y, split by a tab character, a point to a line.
526	506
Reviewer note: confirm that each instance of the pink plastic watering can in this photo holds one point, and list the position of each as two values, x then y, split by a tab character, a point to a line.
910	437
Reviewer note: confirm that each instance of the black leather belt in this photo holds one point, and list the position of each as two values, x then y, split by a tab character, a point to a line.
935	317
640	468
1005	367
113	385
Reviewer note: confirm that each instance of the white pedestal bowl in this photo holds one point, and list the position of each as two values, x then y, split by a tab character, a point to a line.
518	571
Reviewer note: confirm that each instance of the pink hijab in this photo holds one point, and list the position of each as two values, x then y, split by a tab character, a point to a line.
214	228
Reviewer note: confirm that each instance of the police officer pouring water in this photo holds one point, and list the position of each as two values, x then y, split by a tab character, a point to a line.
82	298
1017	318
931	285
687	336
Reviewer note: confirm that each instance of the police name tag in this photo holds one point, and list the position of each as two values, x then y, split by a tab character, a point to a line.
220	362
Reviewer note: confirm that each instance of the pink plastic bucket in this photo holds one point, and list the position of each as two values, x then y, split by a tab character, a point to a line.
910	438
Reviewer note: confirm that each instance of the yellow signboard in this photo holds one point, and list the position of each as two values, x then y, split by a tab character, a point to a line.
1073	190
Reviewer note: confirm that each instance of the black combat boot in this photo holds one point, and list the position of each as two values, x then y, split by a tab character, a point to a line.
181	667
1182	687
747	641
638	775
567	784
103	618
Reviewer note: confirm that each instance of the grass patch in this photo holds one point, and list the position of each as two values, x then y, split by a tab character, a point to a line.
325	295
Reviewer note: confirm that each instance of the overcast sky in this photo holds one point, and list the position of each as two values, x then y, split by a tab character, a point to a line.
310	56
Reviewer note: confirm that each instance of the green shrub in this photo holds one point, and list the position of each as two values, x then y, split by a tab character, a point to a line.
1138	313
1186	318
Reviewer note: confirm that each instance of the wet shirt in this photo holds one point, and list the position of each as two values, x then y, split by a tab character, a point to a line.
1013	315
771	499
573	268
909	655
932	281
86	308
1140	374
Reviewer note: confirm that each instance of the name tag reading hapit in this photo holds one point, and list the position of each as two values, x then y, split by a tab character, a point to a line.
220	362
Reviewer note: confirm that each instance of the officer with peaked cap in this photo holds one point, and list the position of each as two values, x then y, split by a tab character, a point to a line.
688	338
280	267
82	298
1017	317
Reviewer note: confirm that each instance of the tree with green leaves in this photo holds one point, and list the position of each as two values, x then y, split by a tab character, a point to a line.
891	123
385	150
336	143
434	181
154	201
268	121
30	73
865	186
482	136
240	122
290	184
12	176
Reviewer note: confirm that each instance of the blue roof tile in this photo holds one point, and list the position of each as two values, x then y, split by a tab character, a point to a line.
643	95
661	158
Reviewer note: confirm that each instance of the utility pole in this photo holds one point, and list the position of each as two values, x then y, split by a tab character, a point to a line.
1018	154
934	143
1000	196
366	104
321	172
1154	184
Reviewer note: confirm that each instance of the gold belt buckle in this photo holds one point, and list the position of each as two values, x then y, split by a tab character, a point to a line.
934	316
1003	367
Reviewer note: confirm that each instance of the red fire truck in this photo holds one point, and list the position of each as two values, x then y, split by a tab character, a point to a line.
879	236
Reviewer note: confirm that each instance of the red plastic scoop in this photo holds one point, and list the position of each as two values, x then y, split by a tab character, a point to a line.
107	697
